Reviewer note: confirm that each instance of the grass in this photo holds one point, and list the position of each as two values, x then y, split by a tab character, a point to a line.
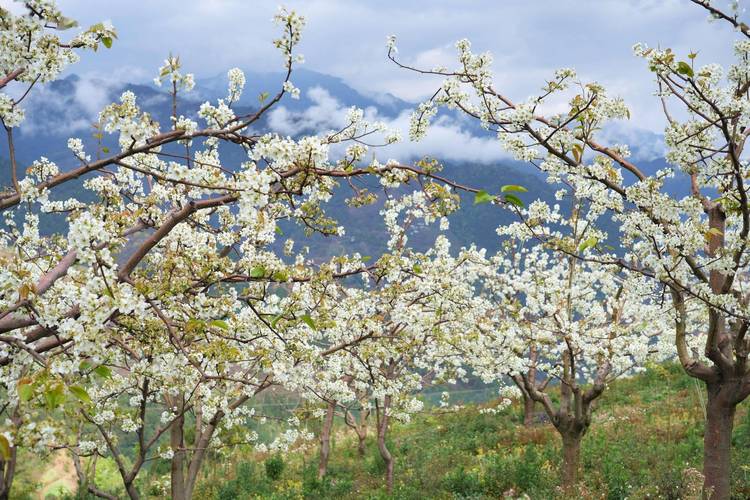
645	440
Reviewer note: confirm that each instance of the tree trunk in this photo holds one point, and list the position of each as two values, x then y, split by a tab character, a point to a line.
361	447
7	471
132	491
361	430
325	440
717	442
571	458
177	472
528	411
384	452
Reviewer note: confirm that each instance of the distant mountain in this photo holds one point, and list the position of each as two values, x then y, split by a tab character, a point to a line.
304	79
69	106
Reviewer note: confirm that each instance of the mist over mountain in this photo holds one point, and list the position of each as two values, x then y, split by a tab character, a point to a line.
69	107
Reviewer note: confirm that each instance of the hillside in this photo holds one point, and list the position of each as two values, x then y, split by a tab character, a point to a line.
647	433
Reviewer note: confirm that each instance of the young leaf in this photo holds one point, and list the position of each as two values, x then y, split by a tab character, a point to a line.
80	393
54	396
513	187
280	276
577	152
275	320
589	243
220	323
308	321
514	200
103	371
482	196
258	271
4	447
684	68
25	389
65	23
107	41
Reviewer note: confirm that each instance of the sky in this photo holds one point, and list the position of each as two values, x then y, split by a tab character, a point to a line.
346	38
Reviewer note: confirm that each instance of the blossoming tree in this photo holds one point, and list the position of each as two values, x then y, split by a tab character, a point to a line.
165	293
396	334
586	323
695	246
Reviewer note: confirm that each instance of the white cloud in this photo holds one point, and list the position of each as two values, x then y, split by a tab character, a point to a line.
325	113
346	38
60	112
448	139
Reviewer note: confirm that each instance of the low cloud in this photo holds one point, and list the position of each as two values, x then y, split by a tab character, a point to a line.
68	106
448	139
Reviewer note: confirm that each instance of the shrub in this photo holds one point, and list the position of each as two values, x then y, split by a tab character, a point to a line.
274	467
463	483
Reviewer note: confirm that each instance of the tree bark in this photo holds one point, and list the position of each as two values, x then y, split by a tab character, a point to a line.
7	471
177	443
528	411
361	430
384	451
717	441
571	459
325	440
362	445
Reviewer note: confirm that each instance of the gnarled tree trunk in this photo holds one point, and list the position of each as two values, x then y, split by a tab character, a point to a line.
571	458
717	439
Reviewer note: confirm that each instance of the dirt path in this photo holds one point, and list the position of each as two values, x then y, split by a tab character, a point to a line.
59	474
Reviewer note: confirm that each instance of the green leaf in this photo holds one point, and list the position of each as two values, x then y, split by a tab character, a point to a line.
257	272
512	187
25	389
105	149
417	269
65	23
514	200
589	243
366	258
279	231
262	97
280	276
4	447
220	323
275	320
194	325
482	196
308	321
85	365
103	371
80	393
577	152
107	41
54	396
684	68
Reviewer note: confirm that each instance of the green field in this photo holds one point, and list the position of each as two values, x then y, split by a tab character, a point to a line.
645	438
